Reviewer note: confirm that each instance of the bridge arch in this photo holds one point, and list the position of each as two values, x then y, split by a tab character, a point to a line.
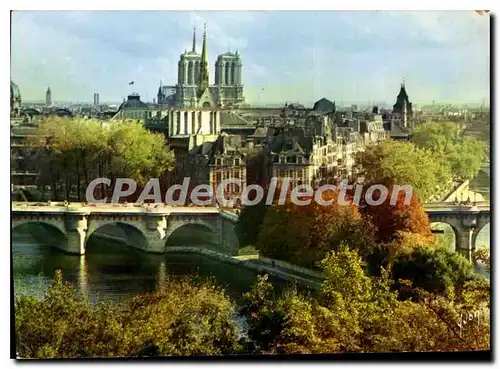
31	112
479	233
198	233
124	232
45	232
449	233
63	113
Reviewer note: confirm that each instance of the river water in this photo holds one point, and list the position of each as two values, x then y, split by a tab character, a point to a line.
113	271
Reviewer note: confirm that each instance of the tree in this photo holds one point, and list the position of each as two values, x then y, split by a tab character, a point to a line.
392	219
76	151
249	223
402	163
356	313
464	154
304	234
436	270
179	318
483	256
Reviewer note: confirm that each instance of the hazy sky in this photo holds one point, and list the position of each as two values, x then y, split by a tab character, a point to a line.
287	56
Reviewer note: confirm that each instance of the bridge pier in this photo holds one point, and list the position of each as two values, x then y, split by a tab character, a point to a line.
156	225
76	232
464	245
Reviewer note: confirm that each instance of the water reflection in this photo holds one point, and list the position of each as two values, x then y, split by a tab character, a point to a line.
112	271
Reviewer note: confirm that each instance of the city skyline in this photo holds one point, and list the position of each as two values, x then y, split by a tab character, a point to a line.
347	56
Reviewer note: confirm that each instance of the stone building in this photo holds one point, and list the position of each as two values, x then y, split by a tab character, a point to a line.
24	161
15	100
214	161
193	88
289	152
228	162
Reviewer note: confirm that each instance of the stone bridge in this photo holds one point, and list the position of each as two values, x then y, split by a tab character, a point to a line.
465	220
149	227
146	227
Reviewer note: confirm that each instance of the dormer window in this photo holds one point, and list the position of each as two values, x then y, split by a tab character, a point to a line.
218	161
237	162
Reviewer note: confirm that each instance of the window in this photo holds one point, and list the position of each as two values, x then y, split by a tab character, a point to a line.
218	161
237	162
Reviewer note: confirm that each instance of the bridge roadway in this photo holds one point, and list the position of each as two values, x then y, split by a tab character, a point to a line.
150	220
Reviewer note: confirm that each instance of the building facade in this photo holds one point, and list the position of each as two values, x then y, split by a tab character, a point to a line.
193	88
15	100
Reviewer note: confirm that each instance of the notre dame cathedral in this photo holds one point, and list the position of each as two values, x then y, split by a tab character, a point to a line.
193	88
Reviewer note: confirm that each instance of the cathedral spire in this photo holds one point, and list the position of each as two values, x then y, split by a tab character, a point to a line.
204	57
194	39
204	63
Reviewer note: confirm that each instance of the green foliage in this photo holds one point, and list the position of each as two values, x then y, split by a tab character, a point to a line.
403	163
75	151
464	154
180	318
482	256
357	313
435	270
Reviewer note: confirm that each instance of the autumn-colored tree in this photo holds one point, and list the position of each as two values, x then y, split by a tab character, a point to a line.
303	234
180	318
392	219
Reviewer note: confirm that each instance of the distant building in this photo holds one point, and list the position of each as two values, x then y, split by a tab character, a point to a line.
48	97
23	161
401	101
132	108
15	100
324	106
96	99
